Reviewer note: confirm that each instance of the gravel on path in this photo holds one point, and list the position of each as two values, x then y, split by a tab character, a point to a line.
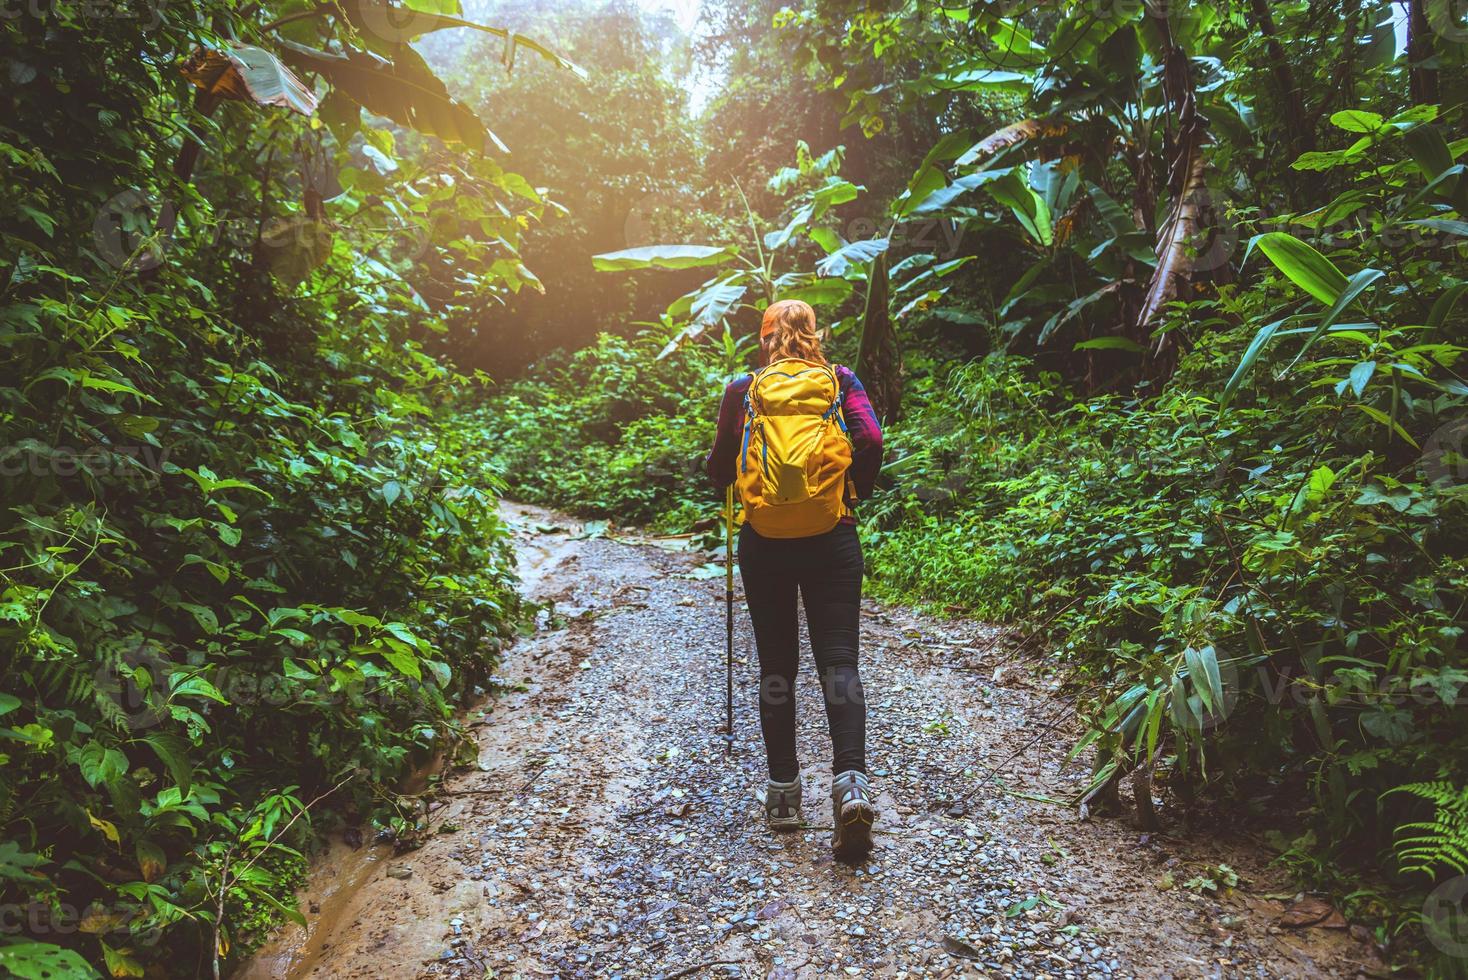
604	832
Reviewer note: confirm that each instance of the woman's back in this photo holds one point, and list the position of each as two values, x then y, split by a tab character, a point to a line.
779	444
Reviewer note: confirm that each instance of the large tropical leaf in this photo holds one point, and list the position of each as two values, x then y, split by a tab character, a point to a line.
688	334
707	306
943	197
1116	217
404	90
396	24
1443	307
1429	150
714	302
1445	225
1304	266
1251	354
852	253
977	79
1013	47
1028	206
927	179
1020	291
1355	286
294	246
173	752
1174	263
663	257
836	190
818	292
34	961
1057	182
1025	129
1357	121
1078	37
1111	343
1072	309
776	239
342	116
939	271
249	74
950	147
929	175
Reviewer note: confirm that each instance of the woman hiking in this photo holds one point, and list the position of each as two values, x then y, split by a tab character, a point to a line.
800	441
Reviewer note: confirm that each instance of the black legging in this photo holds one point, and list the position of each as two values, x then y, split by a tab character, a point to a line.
827	570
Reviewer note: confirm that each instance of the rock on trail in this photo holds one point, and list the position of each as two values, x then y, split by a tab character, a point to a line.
604	833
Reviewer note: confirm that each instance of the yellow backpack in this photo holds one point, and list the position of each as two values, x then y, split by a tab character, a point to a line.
796	450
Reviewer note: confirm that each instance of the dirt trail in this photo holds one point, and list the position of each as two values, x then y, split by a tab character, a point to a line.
604	833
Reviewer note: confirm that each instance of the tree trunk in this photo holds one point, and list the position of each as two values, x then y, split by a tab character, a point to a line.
1422	80
1342	89
1187	163
183	168
879	360
1301	134
188	155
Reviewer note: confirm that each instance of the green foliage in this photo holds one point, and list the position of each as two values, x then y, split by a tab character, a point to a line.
1215	456
619	153
43	961
613	430
814	188
250	555
1258	590
1252	558
1442	841
250	558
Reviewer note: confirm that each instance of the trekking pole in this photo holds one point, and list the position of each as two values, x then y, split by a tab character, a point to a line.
729	620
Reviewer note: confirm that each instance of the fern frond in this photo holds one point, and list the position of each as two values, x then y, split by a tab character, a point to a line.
61	684
1442	842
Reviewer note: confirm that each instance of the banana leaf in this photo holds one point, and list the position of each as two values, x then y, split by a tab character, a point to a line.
404	90
249	74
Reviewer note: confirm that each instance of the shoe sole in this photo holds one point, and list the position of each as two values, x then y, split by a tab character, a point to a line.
853	840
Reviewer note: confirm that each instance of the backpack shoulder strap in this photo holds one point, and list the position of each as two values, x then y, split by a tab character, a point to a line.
837	400
749	415
754	377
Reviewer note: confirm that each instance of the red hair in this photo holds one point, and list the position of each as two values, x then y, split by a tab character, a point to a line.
791	328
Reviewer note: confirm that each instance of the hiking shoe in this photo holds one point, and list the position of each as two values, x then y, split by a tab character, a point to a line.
852	814
782	804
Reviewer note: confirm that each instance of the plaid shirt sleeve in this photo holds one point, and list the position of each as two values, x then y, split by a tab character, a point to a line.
720	463
866	432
